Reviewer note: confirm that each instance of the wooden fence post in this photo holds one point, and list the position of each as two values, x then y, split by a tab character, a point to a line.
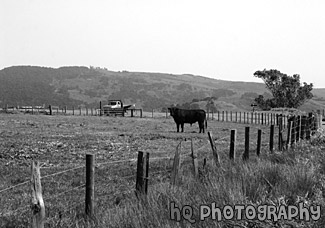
280	138
244	117
90	184
80	110
65	109
271	137
232	152
289	134
194	161
152	113
239	117
38	207
262	118
100	108
252	119
212	114
230	116
141	113
166	113
298	128
214	150
141	185
86	111
176	165
236	117
293	130
223	116
259	138
226	116
73	110
303	127
50	108
277	120
246	152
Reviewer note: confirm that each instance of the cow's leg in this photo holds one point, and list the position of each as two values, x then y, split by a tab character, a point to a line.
182	124
201	126
177	127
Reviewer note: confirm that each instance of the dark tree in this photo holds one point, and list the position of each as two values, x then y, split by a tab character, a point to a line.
286	90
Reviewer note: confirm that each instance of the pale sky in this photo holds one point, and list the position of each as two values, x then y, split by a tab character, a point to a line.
228	39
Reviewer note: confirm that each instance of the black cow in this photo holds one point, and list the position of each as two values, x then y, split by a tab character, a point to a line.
182	116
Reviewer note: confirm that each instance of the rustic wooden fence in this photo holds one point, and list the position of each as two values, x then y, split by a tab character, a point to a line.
257	117
298	128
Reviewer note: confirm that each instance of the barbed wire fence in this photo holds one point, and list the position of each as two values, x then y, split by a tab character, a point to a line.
296	129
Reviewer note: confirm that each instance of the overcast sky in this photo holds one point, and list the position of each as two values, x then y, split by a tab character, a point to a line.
228	39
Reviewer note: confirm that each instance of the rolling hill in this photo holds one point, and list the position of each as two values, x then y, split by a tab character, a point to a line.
33	85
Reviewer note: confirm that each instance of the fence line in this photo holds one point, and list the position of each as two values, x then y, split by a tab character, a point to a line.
62	193
17	185
64	171
142	170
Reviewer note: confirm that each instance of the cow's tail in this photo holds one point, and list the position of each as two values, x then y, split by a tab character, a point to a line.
206	124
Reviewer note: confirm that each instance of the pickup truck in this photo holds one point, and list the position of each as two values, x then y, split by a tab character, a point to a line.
116	107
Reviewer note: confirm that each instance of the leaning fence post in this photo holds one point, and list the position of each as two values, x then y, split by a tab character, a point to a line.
232	144
246	152
90	184
38	207
194	160
176	165
214	150
142	174
259	139
271	137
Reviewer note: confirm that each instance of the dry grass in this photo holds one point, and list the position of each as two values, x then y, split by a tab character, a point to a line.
61	142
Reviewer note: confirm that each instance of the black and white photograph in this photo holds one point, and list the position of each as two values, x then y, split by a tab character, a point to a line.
162	113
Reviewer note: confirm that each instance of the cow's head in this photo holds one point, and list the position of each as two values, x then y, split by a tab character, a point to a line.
172	111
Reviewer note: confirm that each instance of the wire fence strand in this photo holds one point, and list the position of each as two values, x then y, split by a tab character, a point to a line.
61	172
14	186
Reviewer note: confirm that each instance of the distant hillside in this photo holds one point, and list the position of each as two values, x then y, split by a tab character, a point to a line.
31	85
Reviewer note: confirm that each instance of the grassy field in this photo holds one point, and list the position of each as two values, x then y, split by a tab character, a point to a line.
60	143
